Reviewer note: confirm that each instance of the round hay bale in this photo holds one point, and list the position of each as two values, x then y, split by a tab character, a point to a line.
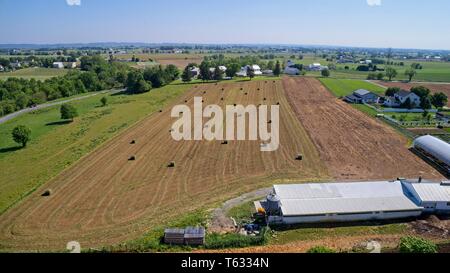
225	142
221	98
133	142
47	193
132	158
160	111
171	164
246	93
299	157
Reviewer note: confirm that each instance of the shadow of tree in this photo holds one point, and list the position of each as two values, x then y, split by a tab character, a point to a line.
10	149
56	123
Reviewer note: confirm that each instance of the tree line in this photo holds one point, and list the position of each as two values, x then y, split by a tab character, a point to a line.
96	74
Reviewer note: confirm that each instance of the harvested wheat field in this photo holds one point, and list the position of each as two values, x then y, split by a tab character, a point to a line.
106	198
179	60
353	145
434	87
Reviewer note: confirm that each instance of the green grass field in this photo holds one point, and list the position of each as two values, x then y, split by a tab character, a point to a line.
34	73
344	87
55	145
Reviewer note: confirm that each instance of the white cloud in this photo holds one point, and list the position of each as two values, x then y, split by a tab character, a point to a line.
73	2
374	3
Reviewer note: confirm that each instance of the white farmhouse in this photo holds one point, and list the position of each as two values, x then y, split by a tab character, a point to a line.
401	97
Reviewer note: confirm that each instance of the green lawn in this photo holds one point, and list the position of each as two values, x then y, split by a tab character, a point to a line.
34	73
344	87
55	146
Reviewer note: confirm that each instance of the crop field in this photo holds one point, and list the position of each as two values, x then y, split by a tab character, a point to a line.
179	60
106	199
353	145
434	87
345	87
34	73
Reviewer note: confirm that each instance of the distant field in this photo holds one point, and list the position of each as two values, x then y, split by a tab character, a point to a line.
180	60
34	73
344	87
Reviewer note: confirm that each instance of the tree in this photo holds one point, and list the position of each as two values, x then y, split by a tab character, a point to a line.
232	69
250	72
425	103
380	76
104	101
407	104
68	111
21	134
205	73
391	91
410	73
421	91
411	244
186	76
439	100
277	70
391	73
218	74
325	73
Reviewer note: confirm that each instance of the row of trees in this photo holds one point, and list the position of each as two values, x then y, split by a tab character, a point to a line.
97	74
139	81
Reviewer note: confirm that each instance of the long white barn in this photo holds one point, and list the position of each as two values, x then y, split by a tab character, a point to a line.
356	201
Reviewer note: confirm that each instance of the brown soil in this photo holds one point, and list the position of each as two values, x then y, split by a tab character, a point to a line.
106	199
353	145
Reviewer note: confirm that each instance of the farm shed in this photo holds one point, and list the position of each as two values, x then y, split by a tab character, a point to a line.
434	197
187	236
342	202
435	150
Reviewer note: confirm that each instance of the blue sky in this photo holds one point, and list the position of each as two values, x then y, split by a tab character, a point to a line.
384	23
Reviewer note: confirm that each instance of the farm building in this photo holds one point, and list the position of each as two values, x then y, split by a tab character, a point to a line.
354	201
256	70
291	70
187	236
433	197
195	72
435	150
362	96
401	97
316	67
59	65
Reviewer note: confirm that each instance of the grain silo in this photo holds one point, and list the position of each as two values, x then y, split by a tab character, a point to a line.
435	150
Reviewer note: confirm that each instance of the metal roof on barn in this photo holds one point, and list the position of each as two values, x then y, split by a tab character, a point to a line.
334	198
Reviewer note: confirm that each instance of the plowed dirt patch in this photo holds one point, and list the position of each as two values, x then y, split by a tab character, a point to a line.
353	145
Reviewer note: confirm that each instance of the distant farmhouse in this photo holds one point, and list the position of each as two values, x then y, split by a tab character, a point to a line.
317	67
256	70
291	69
59	65
363	96
195	72
401	97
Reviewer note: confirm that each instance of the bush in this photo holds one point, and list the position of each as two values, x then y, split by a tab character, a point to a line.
413	244
321	249
234	240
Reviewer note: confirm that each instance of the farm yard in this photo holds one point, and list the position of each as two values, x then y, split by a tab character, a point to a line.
434	87
106	199
353	145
